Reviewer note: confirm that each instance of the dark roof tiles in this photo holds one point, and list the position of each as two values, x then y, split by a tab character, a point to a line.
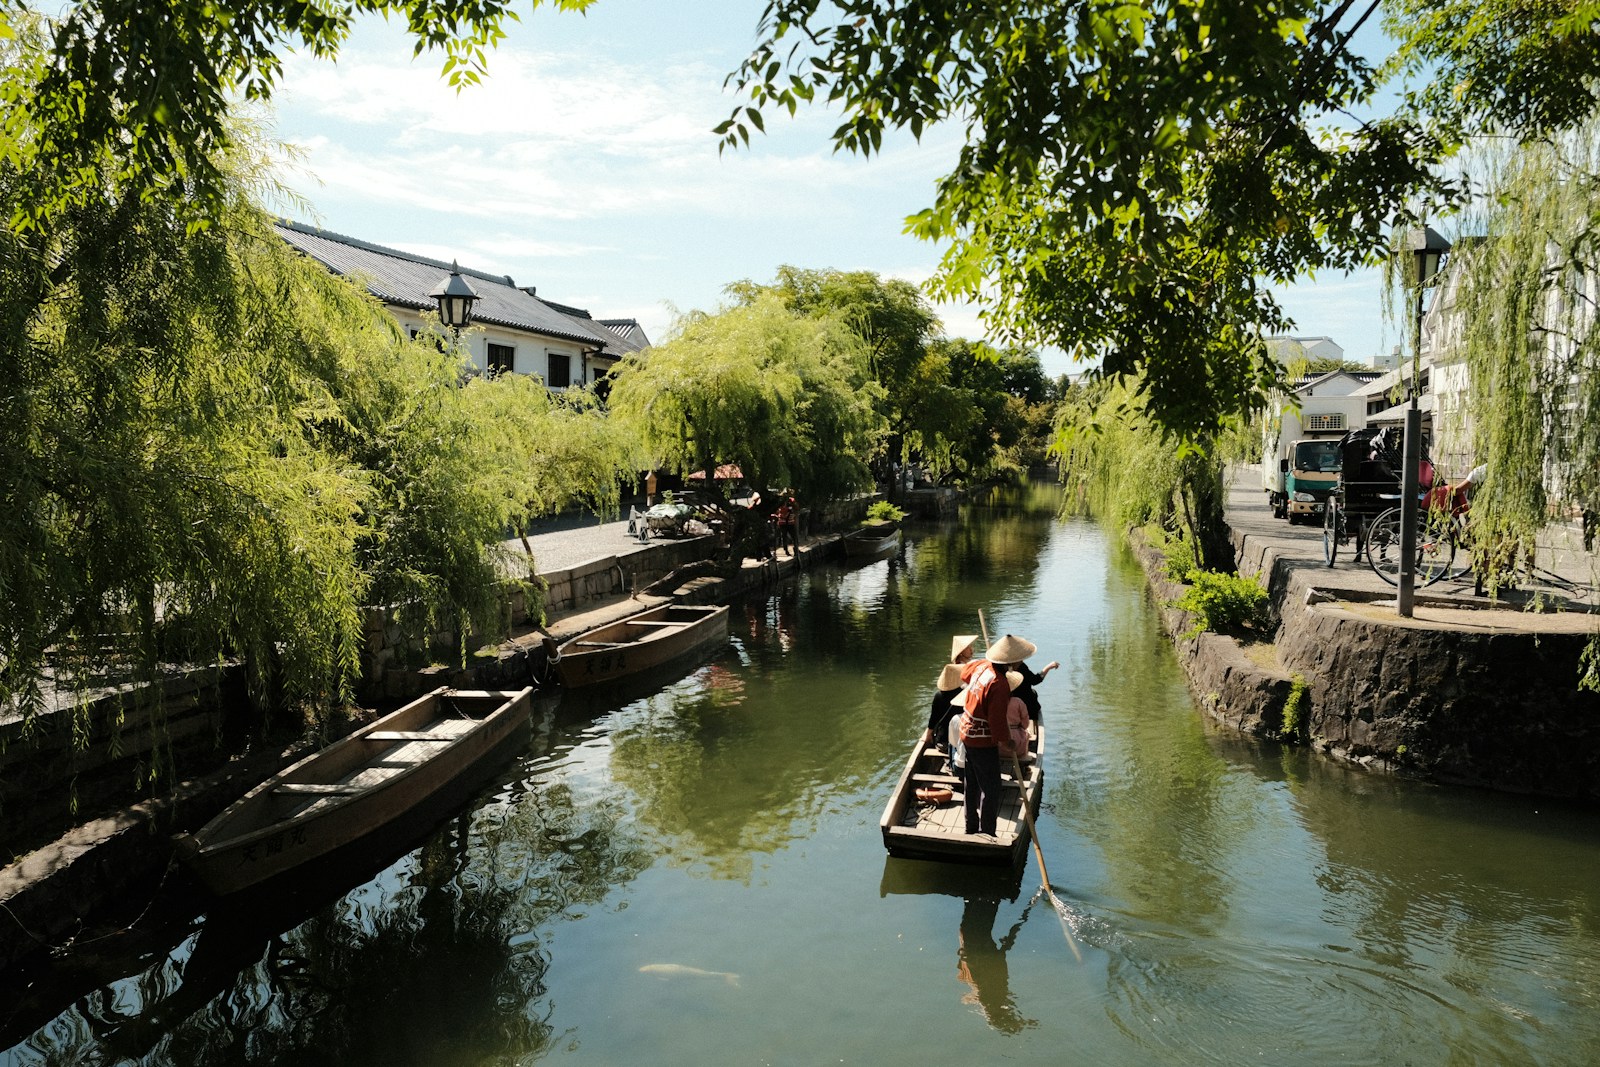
405	280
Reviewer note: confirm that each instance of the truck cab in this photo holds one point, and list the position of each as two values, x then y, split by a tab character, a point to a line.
1310	473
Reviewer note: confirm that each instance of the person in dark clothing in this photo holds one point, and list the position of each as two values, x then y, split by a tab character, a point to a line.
942	711
1026	692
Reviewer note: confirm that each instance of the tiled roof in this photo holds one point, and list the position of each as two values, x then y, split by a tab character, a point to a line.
405	280
632	334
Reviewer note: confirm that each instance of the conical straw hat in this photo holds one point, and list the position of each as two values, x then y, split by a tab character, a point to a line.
960	643
950	677
1011	649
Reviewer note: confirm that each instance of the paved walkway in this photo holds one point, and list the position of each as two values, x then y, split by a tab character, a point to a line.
564	543
1566	571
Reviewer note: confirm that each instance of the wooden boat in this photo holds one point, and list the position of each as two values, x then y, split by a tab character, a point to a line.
936	829
871	540
354	787
639	642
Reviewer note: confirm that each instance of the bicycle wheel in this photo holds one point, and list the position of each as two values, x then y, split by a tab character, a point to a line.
1434	553
1330	530
1383	545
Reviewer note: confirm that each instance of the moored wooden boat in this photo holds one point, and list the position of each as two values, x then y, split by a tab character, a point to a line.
871	540
936	828
639	642
354	787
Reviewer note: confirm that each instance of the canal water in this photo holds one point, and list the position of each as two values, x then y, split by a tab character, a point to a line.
690	872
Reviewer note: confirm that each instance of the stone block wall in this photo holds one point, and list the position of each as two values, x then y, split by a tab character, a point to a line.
1496	709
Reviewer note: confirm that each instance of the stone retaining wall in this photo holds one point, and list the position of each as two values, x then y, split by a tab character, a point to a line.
1488	705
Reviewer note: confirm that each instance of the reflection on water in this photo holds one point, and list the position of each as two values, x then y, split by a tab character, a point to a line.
1234	901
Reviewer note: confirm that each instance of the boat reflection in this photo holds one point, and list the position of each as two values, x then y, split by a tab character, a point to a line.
980	956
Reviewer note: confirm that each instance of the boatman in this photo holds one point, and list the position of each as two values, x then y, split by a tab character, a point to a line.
984	732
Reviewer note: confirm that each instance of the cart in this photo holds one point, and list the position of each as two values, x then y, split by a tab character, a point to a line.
1365	506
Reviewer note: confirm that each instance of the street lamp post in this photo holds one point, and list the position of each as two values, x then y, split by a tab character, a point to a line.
455	297
1428	248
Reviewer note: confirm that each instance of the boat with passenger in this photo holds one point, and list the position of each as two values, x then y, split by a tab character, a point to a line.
924	818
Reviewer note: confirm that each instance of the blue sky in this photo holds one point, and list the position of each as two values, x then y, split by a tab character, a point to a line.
584	165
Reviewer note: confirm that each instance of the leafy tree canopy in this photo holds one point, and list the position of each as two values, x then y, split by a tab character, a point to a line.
785	396
210	446
1529	67
1133	173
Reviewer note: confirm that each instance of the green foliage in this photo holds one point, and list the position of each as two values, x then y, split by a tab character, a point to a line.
1294	708
951	406
211	447
883	511
1532	68
784	396
1177	553
1225	604
1134	179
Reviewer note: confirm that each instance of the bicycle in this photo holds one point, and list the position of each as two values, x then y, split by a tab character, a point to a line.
1435	549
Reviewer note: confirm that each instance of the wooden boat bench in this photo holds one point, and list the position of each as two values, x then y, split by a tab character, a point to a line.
406	735
325	789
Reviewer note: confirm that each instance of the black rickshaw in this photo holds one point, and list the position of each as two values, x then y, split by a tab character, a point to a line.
1365	505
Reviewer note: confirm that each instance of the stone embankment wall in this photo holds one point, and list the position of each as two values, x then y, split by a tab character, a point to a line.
1486	698
1495	708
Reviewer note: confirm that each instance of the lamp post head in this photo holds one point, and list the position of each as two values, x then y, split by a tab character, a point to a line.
455	297
1429	247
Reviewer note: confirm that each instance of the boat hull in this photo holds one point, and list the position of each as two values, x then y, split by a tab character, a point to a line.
923	830
640	642
354	787
866	543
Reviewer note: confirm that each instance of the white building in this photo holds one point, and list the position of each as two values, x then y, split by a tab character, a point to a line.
513	329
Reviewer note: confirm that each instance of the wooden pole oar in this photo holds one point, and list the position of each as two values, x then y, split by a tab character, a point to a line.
1033	831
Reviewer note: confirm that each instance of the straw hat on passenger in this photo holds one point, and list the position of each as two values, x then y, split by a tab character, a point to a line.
961	643
1011	649
1014	680
950	678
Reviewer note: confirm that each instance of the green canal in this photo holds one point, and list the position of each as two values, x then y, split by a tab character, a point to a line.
691	873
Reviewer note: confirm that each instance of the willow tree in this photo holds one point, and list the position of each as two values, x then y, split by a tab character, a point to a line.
786	397
1524	305
211	447
1120	466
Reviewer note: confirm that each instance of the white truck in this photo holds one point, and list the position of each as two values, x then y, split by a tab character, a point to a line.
1300	454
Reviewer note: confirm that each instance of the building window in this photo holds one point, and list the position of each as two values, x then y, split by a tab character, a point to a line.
560	375
500	358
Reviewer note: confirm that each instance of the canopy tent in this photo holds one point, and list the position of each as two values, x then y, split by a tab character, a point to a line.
727	472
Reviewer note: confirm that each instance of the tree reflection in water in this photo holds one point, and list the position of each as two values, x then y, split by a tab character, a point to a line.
438	960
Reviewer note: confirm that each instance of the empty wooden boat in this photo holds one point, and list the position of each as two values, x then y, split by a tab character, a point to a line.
871	540
933	825
640	642
354	787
